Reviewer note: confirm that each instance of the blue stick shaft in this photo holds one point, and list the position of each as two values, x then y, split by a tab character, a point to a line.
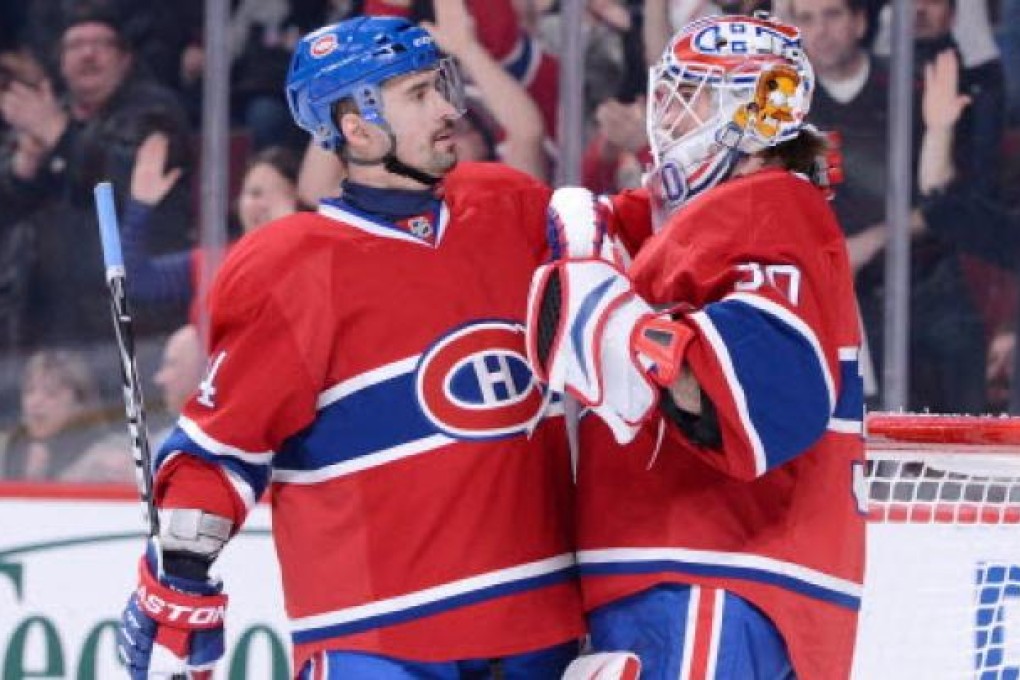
108	232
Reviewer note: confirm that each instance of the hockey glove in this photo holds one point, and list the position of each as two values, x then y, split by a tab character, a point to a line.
172	626
578	226
589	334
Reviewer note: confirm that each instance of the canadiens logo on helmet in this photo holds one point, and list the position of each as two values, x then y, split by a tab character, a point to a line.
323	46
734	37
475	382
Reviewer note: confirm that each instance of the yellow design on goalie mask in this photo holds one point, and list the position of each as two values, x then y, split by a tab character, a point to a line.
772	103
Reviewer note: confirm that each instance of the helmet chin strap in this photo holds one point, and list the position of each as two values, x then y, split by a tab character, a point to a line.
391	163
399	167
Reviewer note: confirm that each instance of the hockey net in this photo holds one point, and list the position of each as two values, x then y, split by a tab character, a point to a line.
942	586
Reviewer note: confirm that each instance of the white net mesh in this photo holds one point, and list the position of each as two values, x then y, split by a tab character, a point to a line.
942	588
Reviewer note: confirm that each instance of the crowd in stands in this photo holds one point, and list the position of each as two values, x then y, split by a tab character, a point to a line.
111	89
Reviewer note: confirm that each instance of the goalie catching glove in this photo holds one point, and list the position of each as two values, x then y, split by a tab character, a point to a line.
590	335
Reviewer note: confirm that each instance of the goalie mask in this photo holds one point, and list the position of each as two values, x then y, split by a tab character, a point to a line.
725	87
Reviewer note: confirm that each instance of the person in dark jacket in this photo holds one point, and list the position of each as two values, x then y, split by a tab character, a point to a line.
59	143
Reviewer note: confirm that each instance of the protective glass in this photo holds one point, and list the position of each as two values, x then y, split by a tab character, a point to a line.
450	84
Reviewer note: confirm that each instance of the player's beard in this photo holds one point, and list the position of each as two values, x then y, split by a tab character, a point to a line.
428	157
441	161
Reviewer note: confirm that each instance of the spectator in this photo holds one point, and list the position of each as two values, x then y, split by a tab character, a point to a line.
616	47
618	151
979	131
58	147
107	461
59	417
947	344
964	28
613	59
261	35
502	28
971	28
182	367
179	372
976	143
986	229
982	226
268	192
514	111
17	65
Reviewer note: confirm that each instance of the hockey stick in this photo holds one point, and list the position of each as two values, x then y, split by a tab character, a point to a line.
134	406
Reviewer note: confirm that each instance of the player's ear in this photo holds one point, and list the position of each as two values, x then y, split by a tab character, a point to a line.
355	130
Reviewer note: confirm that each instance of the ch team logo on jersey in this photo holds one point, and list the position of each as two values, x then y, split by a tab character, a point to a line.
475	382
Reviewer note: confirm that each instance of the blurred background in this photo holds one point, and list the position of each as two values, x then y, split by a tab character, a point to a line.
180	105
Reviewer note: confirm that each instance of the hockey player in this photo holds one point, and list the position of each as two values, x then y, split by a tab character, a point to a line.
368	368
721	538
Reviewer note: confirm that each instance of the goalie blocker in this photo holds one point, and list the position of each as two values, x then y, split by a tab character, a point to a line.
590	335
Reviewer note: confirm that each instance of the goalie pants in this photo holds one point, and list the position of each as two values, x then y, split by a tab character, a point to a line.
544	664
692	633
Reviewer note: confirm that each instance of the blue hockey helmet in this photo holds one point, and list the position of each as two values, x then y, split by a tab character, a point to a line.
353	59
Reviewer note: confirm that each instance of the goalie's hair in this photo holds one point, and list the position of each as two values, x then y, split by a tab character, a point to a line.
799	154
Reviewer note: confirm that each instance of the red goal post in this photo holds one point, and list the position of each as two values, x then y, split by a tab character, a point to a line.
903	429
942	584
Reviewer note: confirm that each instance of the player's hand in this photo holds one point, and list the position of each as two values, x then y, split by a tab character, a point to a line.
589	334
172	626
578	226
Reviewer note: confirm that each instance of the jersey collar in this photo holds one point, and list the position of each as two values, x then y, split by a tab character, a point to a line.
426	229
416	216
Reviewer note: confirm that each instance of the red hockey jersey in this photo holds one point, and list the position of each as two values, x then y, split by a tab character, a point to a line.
376	379
771	514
